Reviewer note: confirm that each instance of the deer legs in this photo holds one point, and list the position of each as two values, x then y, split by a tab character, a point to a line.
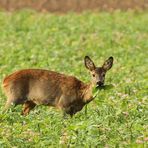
29	105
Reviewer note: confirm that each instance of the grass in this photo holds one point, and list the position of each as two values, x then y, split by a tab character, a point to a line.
118	117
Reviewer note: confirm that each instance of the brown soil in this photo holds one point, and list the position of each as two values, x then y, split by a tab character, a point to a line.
73	5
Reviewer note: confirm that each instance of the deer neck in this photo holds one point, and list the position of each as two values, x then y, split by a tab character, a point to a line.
87	92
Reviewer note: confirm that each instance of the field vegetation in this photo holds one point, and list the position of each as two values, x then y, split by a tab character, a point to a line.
118	117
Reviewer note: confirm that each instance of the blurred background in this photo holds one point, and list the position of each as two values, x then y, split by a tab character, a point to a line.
73	5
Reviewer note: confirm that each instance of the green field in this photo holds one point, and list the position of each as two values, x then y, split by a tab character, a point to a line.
118	117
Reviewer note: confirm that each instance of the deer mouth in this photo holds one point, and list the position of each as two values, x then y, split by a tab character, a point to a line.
100	86
105	87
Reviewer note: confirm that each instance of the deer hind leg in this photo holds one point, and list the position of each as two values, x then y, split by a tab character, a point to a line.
29	105
13	98
12	101
8	104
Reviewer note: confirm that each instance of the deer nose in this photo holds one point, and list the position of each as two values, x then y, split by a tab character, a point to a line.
99	83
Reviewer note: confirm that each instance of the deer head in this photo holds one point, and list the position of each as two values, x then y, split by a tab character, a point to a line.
98	73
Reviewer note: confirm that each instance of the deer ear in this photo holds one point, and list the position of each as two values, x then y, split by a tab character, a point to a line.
89	64
108	63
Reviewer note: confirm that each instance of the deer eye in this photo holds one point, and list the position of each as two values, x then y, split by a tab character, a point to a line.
93	75
103	75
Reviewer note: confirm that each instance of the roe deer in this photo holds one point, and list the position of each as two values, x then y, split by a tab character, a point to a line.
32	87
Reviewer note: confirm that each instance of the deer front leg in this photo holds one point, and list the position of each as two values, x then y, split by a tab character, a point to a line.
27	107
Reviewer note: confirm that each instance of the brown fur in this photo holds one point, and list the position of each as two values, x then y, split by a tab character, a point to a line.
32	87
45	87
